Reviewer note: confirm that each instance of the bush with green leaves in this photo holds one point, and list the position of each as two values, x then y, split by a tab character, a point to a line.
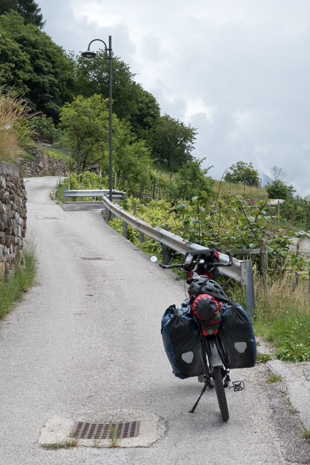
227	224
44	129
280	190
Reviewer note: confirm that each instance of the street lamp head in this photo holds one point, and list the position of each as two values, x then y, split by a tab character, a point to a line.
89	54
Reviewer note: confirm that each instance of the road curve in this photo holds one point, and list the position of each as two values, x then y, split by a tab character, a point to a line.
85	344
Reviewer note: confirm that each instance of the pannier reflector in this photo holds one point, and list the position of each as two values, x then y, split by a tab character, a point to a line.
188	357
240	347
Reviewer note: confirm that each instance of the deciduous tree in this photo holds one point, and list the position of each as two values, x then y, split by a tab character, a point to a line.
92	77
191	180
278	173
279	190
173	142
242	172
144	114
33	65
86	125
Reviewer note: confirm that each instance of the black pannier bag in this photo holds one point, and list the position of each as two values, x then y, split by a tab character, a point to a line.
237	336
182	343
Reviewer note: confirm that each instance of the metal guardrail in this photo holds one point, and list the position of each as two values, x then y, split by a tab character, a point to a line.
241	270
116	195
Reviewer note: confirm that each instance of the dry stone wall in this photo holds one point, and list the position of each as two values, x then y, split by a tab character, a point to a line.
13	216
41	165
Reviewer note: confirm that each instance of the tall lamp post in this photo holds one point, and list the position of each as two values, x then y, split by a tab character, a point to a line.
108	55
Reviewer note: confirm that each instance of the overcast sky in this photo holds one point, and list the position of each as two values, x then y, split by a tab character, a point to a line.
237	70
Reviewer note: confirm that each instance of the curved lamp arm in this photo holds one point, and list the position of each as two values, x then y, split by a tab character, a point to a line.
90	54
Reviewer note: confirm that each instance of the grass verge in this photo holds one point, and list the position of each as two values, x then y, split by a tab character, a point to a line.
283	318
54	153
11	289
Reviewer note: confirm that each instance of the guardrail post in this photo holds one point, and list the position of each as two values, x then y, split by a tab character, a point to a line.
166	256
249	288
264	264
141	237
125	229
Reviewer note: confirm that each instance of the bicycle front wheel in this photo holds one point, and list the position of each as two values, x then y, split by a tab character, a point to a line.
220	392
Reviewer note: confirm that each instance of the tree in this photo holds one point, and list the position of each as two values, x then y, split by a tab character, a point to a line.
92	77
242	172
28	9
279	190
144	114
130	101
131	161
278	173
15	66
190	181
173	142
7	5
33	65
86	125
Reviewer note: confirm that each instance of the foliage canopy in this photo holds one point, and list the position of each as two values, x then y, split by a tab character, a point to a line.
279	190
34	66
242	172
173	142
86	134
28	9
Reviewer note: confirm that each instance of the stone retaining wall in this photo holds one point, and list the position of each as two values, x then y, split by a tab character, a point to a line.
41	165
13	215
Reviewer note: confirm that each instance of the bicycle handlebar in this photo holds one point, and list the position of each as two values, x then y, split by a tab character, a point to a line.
201	257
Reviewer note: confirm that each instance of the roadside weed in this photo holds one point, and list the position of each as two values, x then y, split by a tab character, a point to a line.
61	445
305	432
273	378
263	358
114	437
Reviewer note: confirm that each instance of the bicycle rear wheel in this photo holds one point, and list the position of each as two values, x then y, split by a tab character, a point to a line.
220	392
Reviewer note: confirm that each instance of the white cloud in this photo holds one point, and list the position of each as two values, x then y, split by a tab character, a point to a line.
237	71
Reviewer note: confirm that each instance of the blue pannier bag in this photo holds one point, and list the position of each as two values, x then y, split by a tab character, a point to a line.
237	336
181	341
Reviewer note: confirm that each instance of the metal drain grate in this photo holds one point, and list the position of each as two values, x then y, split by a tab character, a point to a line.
84	430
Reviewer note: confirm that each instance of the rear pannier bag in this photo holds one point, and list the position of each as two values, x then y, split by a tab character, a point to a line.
182	343
237	336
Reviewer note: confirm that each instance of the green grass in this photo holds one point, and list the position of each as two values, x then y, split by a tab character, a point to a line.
283	318
273	378
12	289
228	188
289	332
53	153
305	432
263	358
69	443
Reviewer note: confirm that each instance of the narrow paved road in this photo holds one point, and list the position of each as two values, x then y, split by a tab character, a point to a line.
85	345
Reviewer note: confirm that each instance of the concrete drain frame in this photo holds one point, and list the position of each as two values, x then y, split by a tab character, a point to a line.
120	429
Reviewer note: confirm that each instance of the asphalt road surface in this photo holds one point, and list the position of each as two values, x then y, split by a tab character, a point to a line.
84	345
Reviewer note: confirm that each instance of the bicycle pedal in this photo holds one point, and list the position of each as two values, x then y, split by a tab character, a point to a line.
238	386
